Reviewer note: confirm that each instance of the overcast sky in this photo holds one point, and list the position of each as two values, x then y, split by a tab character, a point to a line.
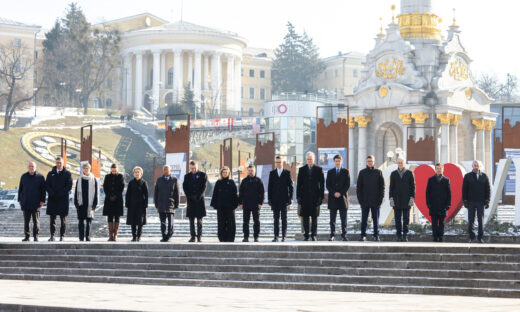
489	28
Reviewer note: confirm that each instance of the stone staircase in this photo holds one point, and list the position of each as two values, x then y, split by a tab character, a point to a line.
420	268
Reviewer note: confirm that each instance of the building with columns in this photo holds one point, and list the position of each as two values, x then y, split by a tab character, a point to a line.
414	83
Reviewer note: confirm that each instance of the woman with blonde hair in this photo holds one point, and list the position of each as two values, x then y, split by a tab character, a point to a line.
225	201
86	198
136	200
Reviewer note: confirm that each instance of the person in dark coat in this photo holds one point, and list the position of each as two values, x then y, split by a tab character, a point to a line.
136	201
251	197
438	200
310	190
31	196
338	183
279	195
370	193
113	186
225	201
194	186
402	194
58	185
86	198
166	197
476	193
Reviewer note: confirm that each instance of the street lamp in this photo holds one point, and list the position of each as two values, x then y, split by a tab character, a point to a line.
34	96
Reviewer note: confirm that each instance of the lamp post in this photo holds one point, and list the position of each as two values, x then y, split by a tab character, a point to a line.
34	96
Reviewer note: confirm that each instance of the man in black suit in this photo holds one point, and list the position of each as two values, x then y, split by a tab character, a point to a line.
338	183
251	198
370	191
310	190
476	192
438	200
279	194
194	186
402	194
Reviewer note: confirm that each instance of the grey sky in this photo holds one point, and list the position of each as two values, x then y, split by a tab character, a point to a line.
488	27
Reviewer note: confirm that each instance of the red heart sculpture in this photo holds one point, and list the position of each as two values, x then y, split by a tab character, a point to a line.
453	172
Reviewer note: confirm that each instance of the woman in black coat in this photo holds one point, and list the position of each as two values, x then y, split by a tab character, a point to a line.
136	201
113	186
194	186
86	199
225	200
438	200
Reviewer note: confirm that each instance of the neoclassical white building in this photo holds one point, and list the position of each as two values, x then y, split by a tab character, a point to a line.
414	78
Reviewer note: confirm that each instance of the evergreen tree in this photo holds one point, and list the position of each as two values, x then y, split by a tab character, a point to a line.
188	102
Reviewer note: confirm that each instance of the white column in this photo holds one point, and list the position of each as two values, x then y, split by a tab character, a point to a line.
229	83
362	147
156	80
454	155
238	84
488	165
163	70
128	79
146	70
206	73
196	78
216	80
190	68
445	143
481	143
351	148
176	74
138	80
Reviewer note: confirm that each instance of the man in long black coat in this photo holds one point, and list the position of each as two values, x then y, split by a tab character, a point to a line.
309	193
476	193
194	186
58	185
279	195
370	192
338	183
402	194
166	199
31	196
251	198
438	200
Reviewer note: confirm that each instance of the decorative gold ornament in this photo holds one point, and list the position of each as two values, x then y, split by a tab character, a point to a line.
362	121
351	122
480	124
455	119
459	70
420	117
390	71
419	26
468	94
444	118
383	92
406	118
490	124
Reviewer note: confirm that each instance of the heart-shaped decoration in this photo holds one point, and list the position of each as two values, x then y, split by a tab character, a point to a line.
453	172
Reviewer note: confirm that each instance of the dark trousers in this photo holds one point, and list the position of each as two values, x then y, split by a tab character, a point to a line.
374	211
27	215
137	230
438	226
277	214
62	227
402	219
166	230
256	222
226	225
342	217
199	227
478	208
307	223
84	232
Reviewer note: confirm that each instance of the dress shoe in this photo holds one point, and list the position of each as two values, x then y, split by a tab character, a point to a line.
36	238
245	240
435	239
198	239
332	238
306	239
283	238
344	238
139	239
313	238
480	241
51	239
405	238
26	239
164	239
87	239
134	239
399	239
440	239
363	239
256	239
275	240
376	239
61	239
471	240
192	239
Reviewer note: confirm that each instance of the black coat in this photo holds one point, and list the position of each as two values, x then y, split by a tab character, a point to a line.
194	187
58	187
402	189
474	190
438	196
136	200
113	186
339	183
280	189
370	187
310	190
224	195
83	211
31	191
251	192
166	194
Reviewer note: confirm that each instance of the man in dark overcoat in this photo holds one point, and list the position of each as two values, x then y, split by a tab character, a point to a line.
402	194
31	196
166	199
310	190
279	195
438	200
338	183
251	199
476	193
58	185
194	186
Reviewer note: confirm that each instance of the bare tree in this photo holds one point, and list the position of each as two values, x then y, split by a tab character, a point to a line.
489	84
16	74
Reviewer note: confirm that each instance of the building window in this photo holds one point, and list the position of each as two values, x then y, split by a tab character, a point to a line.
336	73
262	74
17	43
251	73
262	94
251	93
354	73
